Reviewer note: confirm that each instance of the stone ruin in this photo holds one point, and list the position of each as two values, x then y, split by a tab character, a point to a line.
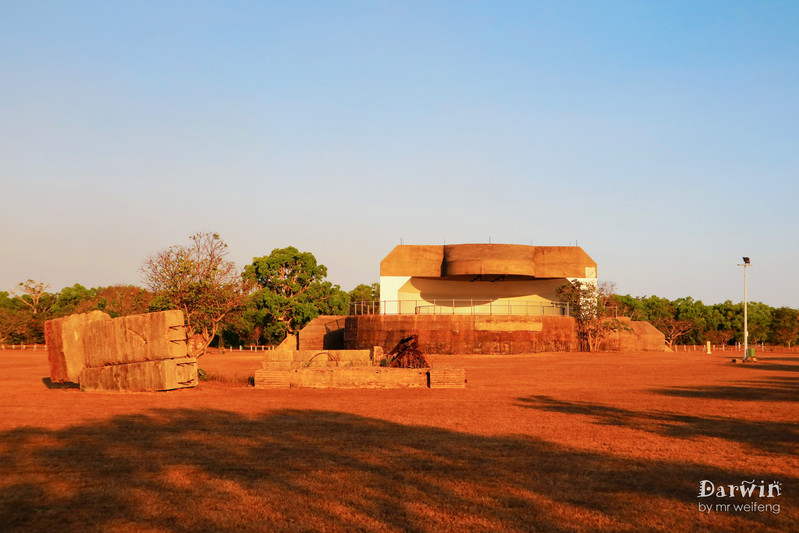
145	352
331	368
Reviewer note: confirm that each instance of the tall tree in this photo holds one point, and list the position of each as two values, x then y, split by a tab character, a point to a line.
34	295
759	321
14	325
291	292
784	326
200	281
691	316
673	329
365	293
592	307
365	299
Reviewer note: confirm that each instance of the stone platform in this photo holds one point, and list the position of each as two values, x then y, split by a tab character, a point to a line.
360	378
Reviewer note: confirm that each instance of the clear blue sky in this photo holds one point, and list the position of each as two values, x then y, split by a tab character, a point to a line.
661	136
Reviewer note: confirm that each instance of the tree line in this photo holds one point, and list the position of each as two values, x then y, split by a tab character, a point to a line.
277	294
274	296
689	321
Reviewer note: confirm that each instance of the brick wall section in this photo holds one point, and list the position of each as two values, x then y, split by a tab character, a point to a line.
454	334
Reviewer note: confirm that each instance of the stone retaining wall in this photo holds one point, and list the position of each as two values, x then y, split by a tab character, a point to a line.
360	377
455	334
288	359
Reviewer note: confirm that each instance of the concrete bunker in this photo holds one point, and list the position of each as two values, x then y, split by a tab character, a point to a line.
483	279
475	298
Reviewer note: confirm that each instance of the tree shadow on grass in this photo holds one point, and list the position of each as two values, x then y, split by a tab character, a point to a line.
775	389
780	358
774	367
777	437
190	470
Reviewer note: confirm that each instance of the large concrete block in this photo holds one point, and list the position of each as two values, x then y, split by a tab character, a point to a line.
166	374
135	338
64	338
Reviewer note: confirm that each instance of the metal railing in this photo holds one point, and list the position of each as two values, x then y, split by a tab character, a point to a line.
462	306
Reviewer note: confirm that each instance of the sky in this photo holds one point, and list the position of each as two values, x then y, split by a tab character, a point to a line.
662	137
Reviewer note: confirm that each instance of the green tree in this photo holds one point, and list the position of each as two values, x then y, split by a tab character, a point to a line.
759	321
727	319
649	308
14	325
365	293
365	299
692	314
784	326
7	301
291	292
591	307
118	300
629	306
198	280
69	299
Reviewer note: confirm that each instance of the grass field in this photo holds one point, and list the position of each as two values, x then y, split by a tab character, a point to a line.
543	442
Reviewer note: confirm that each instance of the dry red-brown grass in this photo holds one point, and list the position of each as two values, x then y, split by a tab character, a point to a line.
542	442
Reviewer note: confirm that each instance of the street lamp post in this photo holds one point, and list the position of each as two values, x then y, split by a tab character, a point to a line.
745	264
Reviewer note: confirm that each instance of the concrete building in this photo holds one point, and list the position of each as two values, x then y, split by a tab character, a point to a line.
474	299
489	279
